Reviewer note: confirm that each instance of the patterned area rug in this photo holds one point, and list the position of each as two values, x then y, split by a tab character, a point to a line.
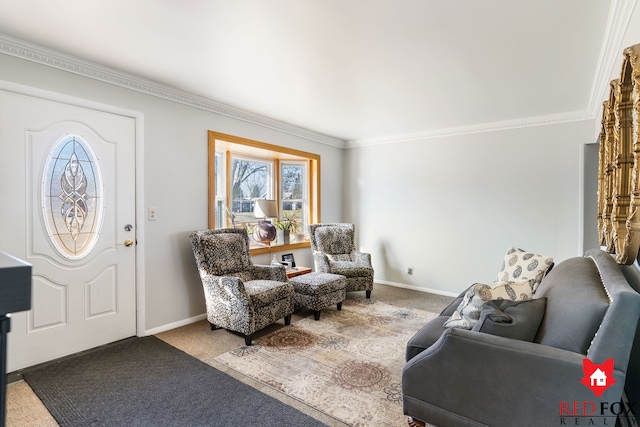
348	364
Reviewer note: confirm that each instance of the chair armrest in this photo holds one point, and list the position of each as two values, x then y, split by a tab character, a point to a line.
228	303
225	288
321	262
269	272
362	258
496	381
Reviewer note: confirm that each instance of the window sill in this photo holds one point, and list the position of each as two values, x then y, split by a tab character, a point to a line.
279	248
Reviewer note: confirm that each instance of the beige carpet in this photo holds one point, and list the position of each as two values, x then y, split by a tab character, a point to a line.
347	365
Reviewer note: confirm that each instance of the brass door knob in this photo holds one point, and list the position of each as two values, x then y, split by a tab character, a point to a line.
128	242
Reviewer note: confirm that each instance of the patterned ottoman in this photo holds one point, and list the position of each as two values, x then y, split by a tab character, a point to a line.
317	291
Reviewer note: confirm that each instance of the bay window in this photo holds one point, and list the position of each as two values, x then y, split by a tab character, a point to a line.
243	170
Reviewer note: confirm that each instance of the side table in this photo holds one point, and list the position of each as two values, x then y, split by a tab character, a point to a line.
297	271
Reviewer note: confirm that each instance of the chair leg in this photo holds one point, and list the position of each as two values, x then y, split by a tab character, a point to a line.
287	320
340	305
247	340
213	327
368	294
316	314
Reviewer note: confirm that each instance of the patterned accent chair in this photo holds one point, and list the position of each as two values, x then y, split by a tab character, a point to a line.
334	252
239	295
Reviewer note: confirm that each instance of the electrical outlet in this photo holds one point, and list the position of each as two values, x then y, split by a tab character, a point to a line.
409	271
153	214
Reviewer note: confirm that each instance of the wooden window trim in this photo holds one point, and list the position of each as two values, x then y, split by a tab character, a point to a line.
237	145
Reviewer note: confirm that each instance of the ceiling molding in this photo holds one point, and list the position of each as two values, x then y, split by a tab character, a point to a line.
610	51
31	52
552	119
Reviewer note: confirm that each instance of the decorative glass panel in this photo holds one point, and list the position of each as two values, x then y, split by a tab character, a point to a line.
72	203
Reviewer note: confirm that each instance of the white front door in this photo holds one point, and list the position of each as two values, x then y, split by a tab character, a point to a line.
67	206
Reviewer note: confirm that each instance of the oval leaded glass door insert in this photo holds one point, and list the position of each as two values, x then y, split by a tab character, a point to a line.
72	204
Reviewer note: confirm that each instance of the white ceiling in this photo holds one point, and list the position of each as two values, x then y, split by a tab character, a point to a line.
356	70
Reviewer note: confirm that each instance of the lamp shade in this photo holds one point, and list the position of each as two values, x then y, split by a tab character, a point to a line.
264	208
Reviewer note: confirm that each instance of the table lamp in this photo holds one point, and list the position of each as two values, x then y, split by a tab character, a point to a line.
265	231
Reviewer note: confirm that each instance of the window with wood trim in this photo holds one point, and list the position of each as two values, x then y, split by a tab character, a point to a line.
242	170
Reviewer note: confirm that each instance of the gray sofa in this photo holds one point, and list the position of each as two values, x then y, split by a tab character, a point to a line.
461	377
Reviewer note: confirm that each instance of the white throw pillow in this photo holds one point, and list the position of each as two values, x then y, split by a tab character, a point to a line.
519	265
468	312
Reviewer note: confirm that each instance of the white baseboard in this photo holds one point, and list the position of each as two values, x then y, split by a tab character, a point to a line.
174	325
418	288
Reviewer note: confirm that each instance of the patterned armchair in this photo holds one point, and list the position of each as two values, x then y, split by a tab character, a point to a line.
334	252
239	295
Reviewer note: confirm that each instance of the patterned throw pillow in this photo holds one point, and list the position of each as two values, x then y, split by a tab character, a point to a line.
519	265
468	312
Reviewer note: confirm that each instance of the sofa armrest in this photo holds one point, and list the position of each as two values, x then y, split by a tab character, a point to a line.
448	311
451	307
472	378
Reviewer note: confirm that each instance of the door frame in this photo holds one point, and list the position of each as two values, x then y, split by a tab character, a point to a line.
138	117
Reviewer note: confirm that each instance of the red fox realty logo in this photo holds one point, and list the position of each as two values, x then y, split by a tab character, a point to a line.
598	377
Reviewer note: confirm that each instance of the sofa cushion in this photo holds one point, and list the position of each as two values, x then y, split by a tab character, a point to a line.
518	320
519	265
576	304
468	312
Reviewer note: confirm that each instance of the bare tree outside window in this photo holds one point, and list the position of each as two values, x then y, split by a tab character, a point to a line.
250	180
292	182
292	191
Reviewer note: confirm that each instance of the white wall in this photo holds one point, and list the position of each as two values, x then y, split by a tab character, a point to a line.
175	180
450	207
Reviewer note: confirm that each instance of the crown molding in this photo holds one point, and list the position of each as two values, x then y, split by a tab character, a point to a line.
610	52
31	52
551	119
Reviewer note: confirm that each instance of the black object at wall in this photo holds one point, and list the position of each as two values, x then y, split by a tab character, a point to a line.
15	295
